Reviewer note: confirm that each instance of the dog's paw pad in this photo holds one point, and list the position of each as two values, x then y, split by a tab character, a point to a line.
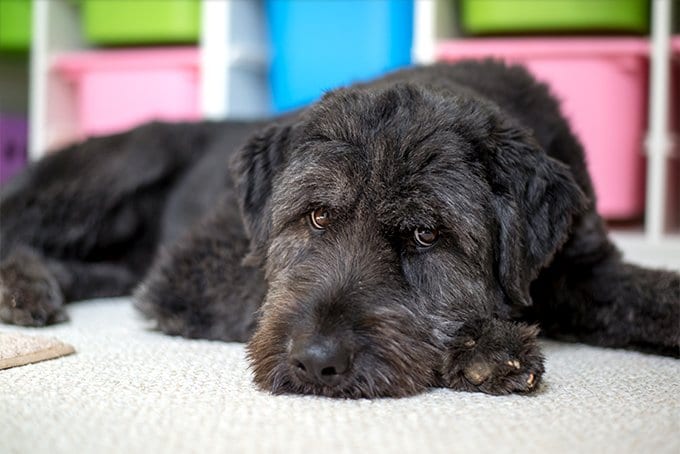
500	378
478	373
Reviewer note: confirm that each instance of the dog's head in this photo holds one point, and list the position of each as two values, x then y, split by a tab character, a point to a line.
385	219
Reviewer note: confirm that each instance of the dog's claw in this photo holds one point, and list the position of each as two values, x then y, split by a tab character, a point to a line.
513	363
530	380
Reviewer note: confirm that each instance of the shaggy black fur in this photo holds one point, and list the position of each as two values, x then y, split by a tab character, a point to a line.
397	235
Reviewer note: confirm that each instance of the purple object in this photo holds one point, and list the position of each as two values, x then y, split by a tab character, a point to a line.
13	140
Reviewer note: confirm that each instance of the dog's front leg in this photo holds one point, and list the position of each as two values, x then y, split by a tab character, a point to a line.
30	294
34	288
199	288
493	356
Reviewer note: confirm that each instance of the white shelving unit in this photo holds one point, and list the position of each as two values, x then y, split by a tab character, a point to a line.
233	83
659	242
56	30
233	66
234	60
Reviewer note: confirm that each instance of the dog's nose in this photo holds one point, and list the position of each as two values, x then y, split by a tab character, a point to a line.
320	360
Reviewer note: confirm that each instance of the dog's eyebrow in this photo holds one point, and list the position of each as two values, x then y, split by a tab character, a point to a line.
324	174
447	199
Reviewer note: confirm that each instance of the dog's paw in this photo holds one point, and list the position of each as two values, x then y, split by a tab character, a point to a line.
29	294
494	357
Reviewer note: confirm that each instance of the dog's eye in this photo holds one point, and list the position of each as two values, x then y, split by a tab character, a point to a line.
320	218
425	237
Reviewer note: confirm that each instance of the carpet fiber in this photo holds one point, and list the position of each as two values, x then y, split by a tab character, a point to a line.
136	391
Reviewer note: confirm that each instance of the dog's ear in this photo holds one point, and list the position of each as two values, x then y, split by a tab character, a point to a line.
254	167
534	198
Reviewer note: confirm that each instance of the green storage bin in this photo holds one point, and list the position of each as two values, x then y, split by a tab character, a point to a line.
534	16
119	22
15	25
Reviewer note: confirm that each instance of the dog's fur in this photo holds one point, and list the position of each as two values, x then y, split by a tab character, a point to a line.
476	151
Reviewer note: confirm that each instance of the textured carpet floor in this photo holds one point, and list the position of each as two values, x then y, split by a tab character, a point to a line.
135	391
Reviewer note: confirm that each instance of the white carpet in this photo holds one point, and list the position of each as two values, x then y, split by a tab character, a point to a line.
133	391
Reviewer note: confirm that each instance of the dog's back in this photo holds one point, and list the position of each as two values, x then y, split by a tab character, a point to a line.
86	221
101	193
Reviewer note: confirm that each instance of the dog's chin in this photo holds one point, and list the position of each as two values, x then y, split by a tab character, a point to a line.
392	357
371	375
279	377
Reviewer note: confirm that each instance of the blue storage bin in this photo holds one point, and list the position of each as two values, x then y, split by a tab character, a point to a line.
318	45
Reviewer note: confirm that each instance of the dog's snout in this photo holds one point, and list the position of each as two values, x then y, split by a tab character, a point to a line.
320	360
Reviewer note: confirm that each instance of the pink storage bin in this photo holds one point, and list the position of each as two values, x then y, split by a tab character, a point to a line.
118	89
602	86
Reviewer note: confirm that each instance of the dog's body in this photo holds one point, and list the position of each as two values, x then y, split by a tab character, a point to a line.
392	237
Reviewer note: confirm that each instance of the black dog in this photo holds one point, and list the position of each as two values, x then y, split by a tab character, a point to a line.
396	235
